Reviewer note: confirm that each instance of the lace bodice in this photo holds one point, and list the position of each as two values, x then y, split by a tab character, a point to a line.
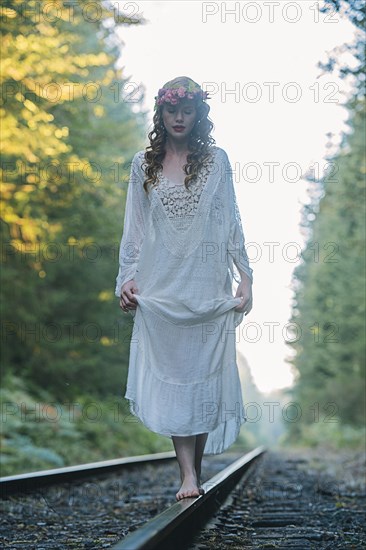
180	218
181	203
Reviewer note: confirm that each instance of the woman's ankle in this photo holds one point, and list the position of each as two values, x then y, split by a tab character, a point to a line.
188	474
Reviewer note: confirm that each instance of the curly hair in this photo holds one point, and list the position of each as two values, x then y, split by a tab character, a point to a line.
199	141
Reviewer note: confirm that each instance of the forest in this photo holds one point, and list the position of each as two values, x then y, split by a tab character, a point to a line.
329	283
69	129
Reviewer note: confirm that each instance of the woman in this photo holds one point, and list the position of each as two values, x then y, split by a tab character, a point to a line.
182	238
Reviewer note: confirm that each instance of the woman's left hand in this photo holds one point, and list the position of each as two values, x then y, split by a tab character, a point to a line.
244	291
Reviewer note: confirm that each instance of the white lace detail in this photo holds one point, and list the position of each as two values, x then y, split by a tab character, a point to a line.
182	217
178	201
182	234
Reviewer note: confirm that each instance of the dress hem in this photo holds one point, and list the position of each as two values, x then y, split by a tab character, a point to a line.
243	420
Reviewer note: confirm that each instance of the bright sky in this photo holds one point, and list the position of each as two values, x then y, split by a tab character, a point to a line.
253	51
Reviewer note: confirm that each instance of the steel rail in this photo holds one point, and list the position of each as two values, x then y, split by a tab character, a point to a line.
175	526
28	482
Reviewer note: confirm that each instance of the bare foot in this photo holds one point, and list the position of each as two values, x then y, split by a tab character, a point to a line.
189	488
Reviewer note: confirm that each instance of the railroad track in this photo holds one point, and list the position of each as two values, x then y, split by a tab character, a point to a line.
91	505
286	503
174	527
264	499
29	482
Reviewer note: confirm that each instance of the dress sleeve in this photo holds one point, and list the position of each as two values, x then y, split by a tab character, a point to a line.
236	244
133	227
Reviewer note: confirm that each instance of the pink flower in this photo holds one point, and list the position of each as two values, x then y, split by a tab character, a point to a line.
173	95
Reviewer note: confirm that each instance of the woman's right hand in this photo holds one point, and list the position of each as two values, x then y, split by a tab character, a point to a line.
127	299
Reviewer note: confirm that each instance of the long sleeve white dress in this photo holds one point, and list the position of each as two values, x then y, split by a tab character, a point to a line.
182	248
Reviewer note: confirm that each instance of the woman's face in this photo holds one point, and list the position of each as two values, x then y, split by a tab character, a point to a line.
179	119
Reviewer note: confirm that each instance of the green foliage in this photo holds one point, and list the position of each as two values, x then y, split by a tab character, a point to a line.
39	434
329	303
355	12
333	436
69	134
329	288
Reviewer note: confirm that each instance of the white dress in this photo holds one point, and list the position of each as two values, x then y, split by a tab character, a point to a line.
181	248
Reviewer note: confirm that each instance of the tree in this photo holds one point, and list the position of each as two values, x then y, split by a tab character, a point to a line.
355	11
69	134
329	295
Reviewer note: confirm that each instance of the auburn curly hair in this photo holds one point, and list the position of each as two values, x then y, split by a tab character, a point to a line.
199	141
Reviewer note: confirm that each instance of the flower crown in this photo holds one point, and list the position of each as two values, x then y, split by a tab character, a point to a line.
176	92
